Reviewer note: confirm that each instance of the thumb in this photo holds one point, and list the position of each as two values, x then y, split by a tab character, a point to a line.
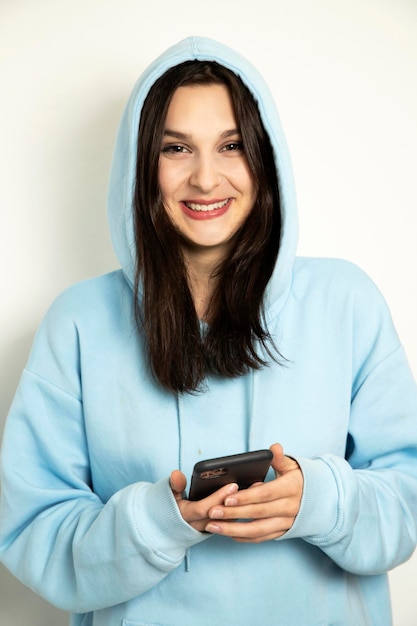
178	483
281	463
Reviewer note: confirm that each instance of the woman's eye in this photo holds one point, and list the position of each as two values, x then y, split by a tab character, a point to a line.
173	149
234	146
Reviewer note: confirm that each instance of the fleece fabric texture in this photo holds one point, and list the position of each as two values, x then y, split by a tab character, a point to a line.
87	516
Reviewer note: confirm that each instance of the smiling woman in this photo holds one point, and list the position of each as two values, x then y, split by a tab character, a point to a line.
137	375
205	181
213	228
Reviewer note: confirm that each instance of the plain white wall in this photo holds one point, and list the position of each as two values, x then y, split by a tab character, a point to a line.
344	73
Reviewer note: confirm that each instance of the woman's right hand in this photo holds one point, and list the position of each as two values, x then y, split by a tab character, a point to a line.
196	512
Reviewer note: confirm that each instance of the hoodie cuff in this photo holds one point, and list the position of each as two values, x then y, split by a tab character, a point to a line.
159	523
319	507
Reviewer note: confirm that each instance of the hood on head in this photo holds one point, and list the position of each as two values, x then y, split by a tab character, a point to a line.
123	170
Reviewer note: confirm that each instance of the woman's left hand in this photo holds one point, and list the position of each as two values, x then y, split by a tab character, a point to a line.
270	507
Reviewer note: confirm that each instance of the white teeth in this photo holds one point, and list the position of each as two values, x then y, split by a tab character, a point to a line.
206	207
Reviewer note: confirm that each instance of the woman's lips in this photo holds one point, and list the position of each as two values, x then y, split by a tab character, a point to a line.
203	210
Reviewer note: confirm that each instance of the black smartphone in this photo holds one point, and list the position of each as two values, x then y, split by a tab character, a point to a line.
244	469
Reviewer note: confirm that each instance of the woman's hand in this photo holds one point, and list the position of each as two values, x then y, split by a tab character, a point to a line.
270	507
196	513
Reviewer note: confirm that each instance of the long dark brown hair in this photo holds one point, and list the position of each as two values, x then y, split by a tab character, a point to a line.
182	350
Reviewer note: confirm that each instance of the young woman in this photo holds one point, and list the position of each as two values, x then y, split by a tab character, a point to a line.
213	339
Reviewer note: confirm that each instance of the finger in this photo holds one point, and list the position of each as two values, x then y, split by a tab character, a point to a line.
281	463
194	511
263	492
278	498
178	483
283	508
260	492
215	499
253	531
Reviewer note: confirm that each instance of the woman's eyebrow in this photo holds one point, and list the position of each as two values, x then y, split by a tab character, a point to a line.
176	134
229	133
168	132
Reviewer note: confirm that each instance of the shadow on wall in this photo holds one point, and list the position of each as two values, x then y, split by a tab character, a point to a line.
76	241
84	245
78	247
12	362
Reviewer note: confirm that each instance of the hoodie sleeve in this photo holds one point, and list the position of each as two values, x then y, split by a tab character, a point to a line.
362	511
56	535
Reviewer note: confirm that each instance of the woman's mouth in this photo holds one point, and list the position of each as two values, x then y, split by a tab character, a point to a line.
213	206
206	210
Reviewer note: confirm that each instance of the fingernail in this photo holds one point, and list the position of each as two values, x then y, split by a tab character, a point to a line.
230	502
216	513
232	488
212	528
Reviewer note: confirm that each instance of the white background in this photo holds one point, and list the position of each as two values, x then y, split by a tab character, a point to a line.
344	74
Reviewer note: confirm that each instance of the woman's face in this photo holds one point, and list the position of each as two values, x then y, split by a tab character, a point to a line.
207	187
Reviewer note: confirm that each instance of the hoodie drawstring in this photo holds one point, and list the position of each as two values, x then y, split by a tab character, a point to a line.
251	405
180	465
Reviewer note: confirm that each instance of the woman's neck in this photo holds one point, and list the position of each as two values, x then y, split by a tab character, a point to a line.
201	269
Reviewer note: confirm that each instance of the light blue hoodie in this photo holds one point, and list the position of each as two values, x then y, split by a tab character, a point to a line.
87	516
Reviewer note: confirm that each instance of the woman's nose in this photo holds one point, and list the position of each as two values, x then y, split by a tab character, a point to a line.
205	174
